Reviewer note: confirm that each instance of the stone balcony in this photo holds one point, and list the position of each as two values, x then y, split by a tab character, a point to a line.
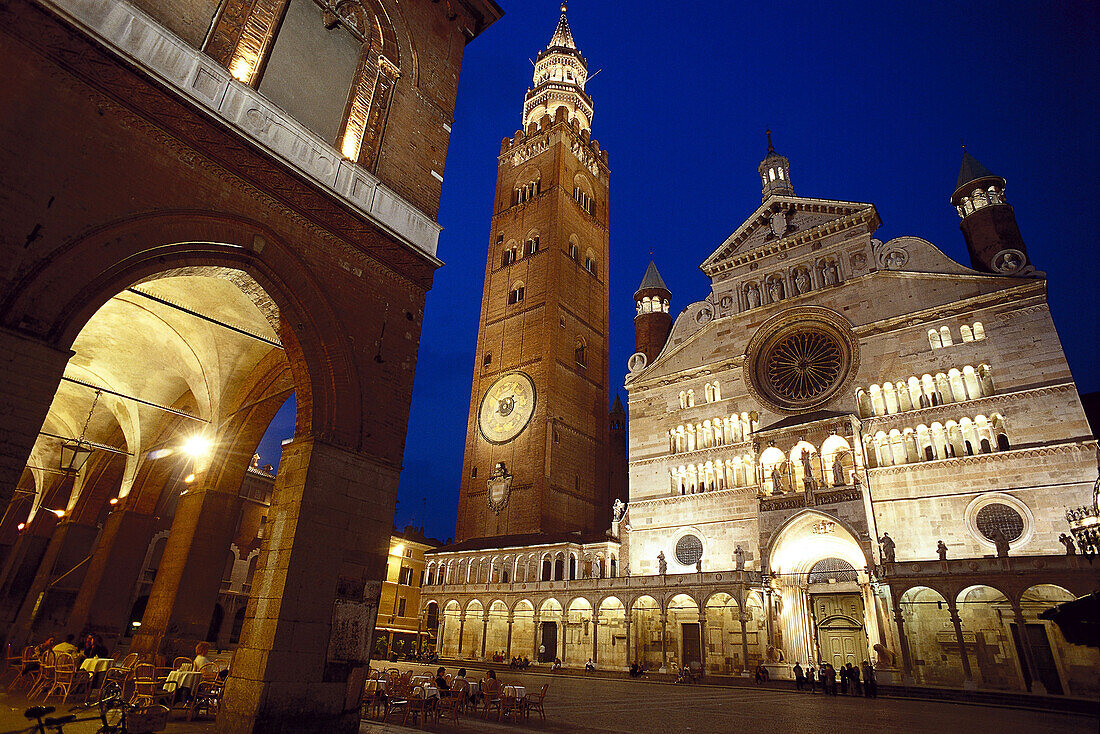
192	75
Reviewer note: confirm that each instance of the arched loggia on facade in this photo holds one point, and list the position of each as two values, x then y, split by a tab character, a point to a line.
345	471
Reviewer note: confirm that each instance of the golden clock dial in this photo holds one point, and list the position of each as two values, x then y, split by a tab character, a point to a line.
506	407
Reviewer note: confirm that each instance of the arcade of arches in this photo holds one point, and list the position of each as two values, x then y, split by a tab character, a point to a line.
823	601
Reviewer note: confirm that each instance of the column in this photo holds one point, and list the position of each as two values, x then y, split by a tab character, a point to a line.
32	370
537	635
903	643
509	653
67	552
957	623
461	630
322	562
561	638
30	545
1025	646
629	659
484	632
702	638
664	641
744	618
595	638
103	603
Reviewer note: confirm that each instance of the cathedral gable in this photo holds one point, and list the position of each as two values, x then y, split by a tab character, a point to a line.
785	221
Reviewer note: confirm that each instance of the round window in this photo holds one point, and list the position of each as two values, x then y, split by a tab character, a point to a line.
689	549
997	517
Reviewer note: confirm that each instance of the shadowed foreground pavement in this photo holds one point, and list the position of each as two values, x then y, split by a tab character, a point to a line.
591	705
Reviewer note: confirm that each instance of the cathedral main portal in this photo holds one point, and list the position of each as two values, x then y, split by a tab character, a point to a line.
838	626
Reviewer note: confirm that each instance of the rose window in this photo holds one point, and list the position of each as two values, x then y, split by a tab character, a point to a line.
803	365
999	517
689	549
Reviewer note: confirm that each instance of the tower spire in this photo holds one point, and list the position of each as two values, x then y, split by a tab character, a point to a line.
558	81
775	172
988	222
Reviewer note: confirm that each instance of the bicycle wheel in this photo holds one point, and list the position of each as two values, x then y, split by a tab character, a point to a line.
111	705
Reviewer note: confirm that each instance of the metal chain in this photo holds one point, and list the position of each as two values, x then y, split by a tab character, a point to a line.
89	418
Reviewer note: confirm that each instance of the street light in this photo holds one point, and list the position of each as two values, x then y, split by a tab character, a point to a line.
74	454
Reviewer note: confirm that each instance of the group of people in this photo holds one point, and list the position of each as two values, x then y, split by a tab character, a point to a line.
92	647
636	670
853	680
519	663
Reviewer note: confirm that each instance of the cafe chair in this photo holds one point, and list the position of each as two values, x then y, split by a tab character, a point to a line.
535	701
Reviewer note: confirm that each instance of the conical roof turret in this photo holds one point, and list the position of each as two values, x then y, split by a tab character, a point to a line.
971	170
652	280
775	173
617	408
563	36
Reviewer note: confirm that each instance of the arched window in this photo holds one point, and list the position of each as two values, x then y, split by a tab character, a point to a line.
945	336
683	399
516	294
510	253
717	388
934	339
831	569
979	331
966	333
487	359
691	399
580	354
573	251
590	266
531	246
709	392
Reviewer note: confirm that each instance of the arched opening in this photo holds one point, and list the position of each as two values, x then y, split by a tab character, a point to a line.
550	631
579	630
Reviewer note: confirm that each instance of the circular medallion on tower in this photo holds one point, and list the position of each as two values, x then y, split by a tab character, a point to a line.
801	359
506	407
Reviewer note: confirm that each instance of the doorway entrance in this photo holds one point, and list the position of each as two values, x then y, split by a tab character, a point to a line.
838	624
1041	656
692	652
548	647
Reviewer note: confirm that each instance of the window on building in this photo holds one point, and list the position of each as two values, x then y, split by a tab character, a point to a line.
509	255
405	576
401	607
583	199
473	473
573	251
590	264
580	353
516	294
487	359
532	245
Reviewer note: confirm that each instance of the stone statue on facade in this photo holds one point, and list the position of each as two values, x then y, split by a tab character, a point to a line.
888	547
739	557
941	550
1067	541
777	480
699	566
775	291
801	281
808	482
838	472
617	510
1000	542
884	658
828	272
752	295
662	564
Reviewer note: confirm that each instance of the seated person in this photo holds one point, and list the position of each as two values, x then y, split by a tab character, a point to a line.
200	655
67	646
635	670
589	665
556	665
94	647
441	682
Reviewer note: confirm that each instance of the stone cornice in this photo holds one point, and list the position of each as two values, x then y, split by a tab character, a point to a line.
680	498
697	454
1030	452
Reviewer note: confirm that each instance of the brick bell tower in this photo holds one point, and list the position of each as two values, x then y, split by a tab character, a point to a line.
537	435
988	221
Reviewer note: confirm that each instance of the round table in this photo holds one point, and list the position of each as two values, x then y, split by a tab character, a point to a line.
183	679
96	665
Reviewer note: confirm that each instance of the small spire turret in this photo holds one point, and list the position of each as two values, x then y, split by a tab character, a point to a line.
652	322
775	173
988	221
558	81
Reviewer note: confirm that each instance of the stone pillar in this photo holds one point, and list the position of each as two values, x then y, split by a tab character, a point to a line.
484	632
1029	654
314	601
103	603
561	639
629	659
957	623
461	630
22	563
537	636
703	638
744	618
189	578
67	552
903	643
664	642
32	370
595	638
508	654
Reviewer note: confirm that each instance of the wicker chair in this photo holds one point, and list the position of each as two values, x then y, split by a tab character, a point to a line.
47	661
490	696
510	704
67	676
454	702
28	669
208	693
535	701
123	673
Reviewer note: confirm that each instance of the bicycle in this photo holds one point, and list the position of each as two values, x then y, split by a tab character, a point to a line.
116	716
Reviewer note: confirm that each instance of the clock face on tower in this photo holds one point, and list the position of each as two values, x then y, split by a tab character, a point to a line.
506	408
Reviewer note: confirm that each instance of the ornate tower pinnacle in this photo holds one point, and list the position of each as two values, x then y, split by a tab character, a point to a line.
775	173
988	222
558	82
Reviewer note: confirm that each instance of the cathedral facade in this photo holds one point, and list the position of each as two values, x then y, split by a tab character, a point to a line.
846	450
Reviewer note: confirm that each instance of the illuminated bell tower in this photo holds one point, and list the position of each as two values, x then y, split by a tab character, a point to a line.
537	435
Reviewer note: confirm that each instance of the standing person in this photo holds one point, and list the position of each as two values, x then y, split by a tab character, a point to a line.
853	679
870	685
830	679
811	677
799	677
844	679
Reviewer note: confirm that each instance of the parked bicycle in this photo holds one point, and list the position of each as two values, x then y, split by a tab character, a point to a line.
116	716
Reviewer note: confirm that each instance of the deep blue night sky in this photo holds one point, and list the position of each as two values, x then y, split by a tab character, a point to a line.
868	100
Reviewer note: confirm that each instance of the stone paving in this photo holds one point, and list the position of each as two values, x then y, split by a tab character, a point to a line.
620	706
